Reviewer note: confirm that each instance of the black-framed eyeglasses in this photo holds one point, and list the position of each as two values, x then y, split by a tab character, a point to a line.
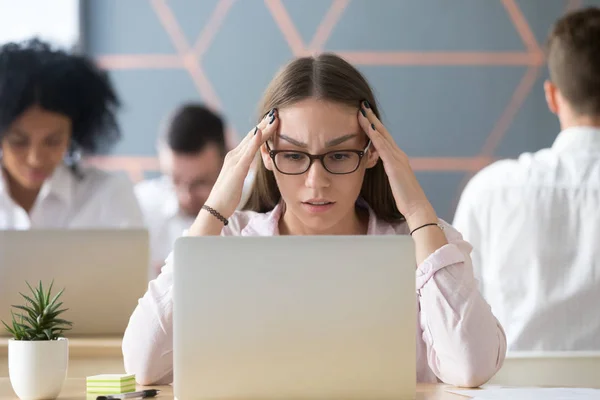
338	162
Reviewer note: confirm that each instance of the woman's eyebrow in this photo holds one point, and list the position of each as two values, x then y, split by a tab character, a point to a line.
18	132
292	141
21	133
331	143
341	139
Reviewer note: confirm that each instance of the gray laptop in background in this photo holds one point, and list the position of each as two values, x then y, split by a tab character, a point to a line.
294	317
103	272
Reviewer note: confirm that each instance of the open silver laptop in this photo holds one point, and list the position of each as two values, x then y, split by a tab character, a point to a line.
103	272
295	317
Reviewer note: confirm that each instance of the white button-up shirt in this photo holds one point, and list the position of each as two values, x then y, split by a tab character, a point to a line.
95	199
534	224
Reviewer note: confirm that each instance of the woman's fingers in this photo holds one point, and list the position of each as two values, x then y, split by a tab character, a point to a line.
270	125
377	125
378	139
381	137
261	125
263	132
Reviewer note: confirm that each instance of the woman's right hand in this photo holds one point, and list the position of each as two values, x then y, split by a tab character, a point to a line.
226	194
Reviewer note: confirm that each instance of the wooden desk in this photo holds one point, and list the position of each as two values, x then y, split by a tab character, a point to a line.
92	356
87	356
75	389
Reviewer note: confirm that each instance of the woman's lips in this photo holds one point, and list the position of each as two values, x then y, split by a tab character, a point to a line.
37	175
318	206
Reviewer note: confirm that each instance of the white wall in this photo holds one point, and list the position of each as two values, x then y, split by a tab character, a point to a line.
54	20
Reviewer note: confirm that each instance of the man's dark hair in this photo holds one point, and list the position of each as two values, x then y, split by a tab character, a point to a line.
192	127
574	59
34	74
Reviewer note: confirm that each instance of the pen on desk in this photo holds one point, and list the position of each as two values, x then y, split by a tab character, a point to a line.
142	394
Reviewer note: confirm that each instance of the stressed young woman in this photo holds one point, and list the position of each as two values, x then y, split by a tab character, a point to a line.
328	166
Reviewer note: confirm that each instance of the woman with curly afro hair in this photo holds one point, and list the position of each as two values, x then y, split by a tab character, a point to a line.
55	108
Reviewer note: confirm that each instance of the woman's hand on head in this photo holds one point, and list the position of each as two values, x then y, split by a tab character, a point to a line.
410	197
226	194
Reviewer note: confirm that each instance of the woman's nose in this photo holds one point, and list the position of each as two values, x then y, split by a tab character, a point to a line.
317	176
35	157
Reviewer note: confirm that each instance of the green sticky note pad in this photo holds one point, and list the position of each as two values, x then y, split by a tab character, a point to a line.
110	390
111	378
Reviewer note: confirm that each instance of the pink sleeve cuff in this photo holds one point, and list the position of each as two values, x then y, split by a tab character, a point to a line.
443	257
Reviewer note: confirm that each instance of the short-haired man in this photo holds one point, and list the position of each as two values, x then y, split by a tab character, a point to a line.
534	222
191	150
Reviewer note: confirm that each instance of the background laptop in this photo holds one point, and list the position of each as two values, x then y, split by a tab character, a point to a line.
300	317
103	272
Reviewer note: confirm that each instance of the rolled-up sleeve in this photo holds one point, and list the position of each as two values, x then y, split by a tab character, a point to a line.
466	344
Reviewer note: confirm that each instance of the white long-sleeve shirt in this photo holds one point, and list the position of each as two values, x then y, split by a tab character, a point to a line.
534	224
95	199
459	341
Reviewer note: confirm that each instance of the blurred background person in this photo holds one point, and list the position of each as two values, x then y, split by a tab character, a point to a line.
191	149
534	222
56	107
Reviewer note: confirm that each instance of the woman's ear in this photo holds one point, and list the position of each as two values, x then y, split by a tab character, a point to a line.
372	156
266	157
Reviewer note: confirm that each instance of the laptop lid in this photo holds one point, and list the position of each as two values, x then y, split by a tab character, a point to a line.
103	272
298	317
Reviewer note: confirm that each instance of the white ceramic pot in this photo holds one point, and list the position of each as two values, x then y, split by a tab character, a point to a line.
38	369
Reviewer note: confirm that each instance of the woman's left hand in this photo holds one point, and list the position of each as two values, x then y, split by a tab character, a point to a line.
410	197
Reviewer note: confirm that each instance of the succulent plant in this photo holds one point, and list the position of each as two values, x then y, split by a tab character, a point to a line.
38	317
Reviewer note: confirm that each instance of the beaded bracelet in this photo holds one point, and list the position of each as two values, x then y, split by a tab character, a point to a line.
216	214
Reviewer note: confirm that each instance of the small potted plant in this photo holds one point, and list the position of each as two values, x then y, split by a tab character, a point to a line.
38	354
